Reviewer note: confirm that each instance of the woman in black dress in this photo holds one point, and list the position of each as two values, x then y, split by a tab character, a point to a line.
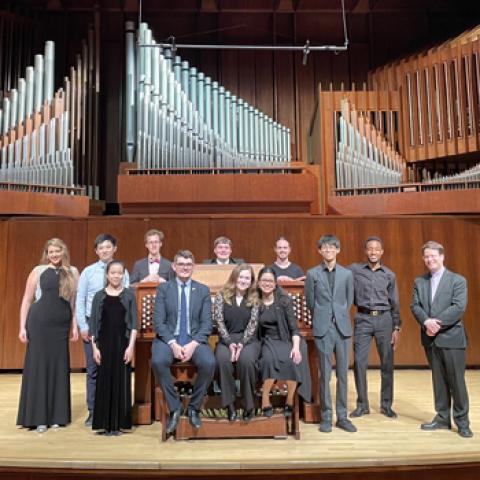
45	321
284	352
113	326
236	353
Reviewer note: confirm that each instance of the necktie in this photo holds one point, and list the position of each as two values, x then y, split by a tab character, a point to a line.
183	334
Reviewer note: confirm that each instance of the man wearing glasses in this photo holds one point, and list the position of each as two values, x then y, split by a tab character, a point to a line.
183	322
329	296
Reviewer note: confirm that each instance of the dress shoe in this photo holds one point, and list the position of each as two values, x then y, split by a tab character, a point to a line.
288	411
41	428
388	412
465	432
434	425
173	420
346	424
325	427
359	412
194	418
267	411
232	413
248	415
89	419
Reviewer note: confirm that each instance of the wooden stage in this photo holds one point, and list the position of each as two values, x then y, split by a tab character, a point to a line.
382	448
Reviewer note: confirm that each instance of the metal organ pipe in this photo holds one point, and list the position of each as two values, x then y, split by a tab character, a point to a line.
193	121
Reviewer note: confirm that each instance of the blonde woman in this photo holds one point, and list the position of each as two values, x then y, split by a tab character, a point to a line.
46	318
236	353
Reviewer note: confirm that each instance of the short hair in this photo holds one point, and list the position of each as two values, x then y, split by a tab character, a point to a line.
222	239
105	237
184	254
281	237
153	232
328	239
114	262
373	238
432	245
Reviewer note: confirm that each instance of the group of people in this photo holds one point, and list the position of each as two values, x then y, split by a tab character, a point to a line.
258	337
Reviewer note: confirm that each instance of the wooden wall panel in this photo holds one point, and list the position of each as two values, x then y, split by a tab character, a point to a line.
3	280
253	239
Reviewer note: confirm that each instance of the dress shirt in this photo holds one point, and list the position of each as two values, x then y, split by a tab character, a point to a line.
92	280
376	289
330	276
435	280
153	266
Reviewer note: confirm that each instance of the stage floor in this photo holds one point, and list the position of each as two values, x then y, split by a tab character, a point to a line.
379	441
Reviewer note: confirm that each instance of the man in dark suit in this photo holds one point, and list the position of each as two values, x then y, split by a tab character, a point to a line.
153	268
222	248
329	297
183	322
438	303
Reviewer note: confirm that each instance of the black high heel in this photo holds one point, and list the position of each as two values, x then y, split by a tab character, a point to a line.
267	411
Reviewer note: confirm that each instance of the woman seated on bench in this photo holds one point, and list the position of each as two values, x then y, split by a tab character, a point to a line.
236	315
284	352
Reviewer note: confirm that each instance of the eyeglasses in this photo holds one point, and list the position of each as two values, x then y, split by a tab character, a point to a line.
326	248
184	265
271	282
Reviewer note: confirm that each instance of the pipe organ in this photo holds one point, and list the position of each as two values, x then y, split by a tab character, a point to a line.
364	157
178	117
46	134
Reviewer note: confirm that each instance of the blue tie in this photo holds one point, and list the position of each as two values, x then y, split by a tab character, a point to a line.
183	333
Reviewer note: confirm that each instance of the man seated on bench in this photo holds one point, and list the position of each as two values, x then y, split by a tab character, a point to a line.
183	322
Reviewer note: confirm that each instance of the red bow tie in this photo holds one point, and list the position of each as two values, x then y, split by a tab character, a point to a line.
154	260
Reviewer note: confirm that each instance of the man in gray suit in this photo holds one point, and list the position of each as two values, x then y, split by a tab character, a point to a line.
153	268
329	296
183	322
438	304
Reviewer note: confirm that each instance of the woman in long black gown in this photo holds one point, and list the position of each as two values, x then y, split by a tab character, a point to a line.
284	352
113	325
236	353
46	317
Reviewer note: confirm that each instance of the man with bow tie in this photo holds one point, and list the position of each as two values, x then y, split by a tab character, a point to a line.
153	268
438	303
183	322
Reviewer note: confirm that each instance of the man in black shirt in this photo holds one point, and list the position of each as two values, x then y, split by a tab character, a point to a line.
283	267
378	316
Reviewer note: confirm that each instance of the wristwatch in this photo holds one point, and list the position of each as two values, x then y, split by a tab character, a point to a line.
397	328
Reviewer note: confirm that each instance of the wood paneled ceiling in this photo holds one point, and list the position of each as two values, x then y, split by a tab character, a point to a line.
352	6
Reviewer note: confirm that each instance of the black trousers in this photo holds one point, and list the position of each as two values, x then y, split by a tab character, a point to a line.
202	358
448	376
245	369
380	328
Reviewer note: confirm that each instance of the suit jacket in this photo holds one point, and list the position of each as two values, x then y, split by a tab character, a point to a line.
325	305
231	261
448	305
165	314
140	270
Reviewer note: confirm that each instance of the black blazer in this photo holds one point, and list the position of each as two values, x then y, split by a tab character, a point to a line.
231	261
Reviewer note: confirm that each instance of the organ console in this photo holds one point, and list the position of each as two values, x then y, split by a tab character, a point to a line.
143	407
